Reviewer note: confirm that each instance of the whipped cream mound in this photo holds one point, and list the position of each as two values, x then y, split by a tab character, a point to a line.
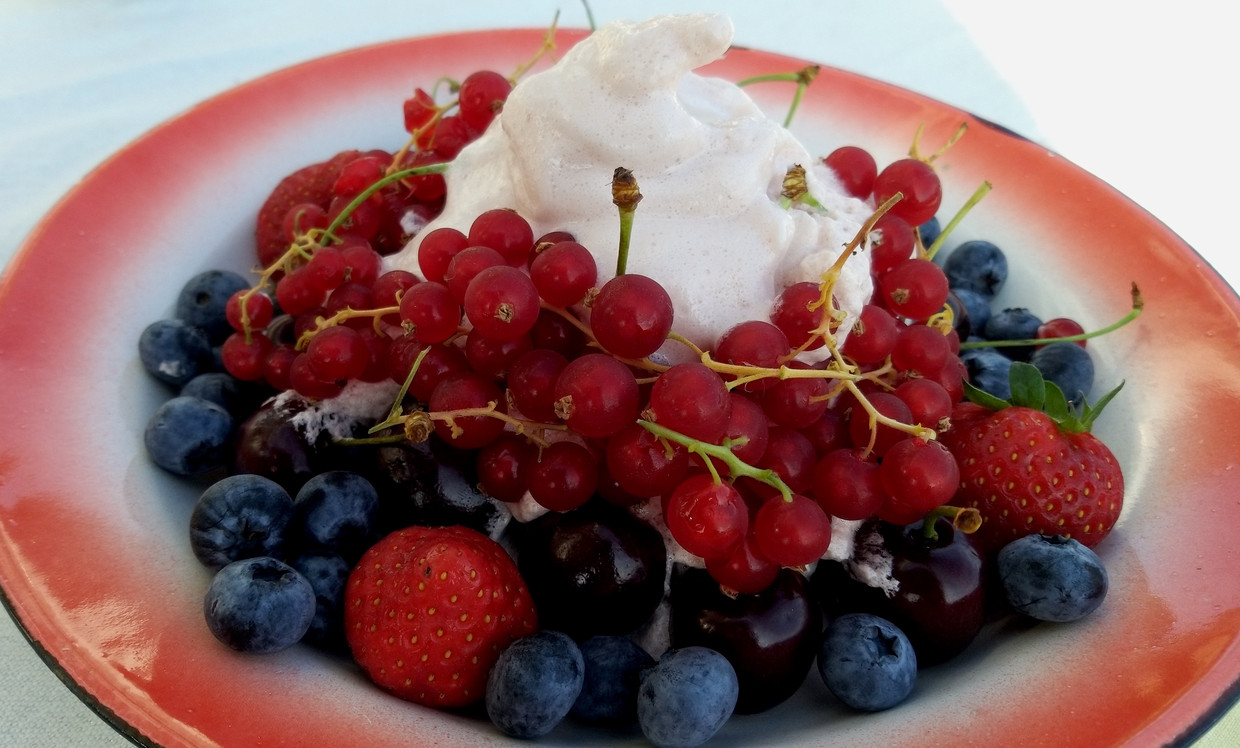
709	163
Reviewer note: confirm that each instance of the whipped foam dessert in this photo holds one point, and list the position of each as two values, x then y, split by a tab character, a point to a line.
710	165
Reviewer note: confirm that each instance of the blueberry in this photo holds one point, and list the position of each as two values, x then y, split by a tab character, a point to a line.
867	662
686	697
989	371
929	231
609	693
534	683
1068	365
976	305
203	298
238	517
189	436
336	511
327	574
259	605
1052	578
174	351
233	395
1015	323
978	265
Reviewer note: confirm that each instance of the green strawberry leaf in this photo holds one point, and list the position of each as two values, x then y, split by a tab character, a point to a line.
1089	414
1028	387
1031	390
975	394
1056	405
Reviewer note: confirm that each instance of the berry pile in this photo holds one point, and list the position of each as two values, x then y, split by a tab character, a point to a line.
520	386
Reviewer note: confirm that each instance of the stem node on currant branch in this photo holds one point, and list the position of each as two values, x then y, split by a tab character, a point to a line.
625	195
737	468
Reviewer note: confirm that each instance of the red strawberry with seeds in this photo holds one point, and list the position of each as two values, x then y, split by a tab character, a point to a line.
428	611
309	184
1031	466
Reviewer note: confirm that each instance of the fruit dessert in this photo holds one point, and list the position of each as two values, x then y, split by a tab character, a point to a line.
631	413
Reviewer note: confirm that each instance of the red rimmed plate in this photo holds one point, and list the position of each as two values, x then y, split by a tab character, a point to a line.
94	561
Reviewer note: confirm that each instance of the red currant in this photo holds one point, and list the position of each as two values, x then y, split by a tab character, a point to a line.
708	518
794	532
596	395
504	231
916	288
481	97
466	391
920	186
644	465
855	168
692	399
564	273
501	303
503	466
631	316
563	477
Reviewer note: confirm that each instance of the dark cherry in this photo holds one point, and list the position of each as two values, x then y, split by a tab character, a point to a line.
269	444
770	637
592	570
941	601
429	484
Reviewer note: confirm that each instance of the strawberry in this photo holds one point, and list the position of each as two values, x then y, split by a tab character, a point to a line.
1029	465
429	609
309	184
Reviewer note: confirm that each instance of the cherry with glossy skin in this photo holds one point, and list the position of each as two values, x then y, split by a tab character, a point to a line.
271	445
940	603
770	637
427	483
593	570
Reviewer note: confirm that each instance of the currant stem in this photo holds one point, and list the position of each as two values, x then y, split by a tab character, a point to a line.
981	192
548	44
589	16
878	419
914	150
1138	304
625	196
394	415
965	519
802	78
644	363
737	467
387	179
805	77
343	315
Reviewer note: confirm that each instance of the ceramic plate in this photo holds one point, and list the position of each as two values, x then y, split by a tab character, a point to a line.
93	553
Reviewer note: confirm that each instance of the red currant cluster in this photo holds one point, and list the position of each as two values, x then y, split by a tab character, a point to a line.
322	235
905	338
507	346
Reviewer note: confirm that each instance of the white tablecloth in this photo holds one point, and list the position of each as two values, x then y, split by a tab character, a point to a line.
1133	97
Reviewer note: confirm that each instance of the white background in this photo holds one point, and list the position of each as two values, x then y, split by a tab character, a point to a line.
1140	98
